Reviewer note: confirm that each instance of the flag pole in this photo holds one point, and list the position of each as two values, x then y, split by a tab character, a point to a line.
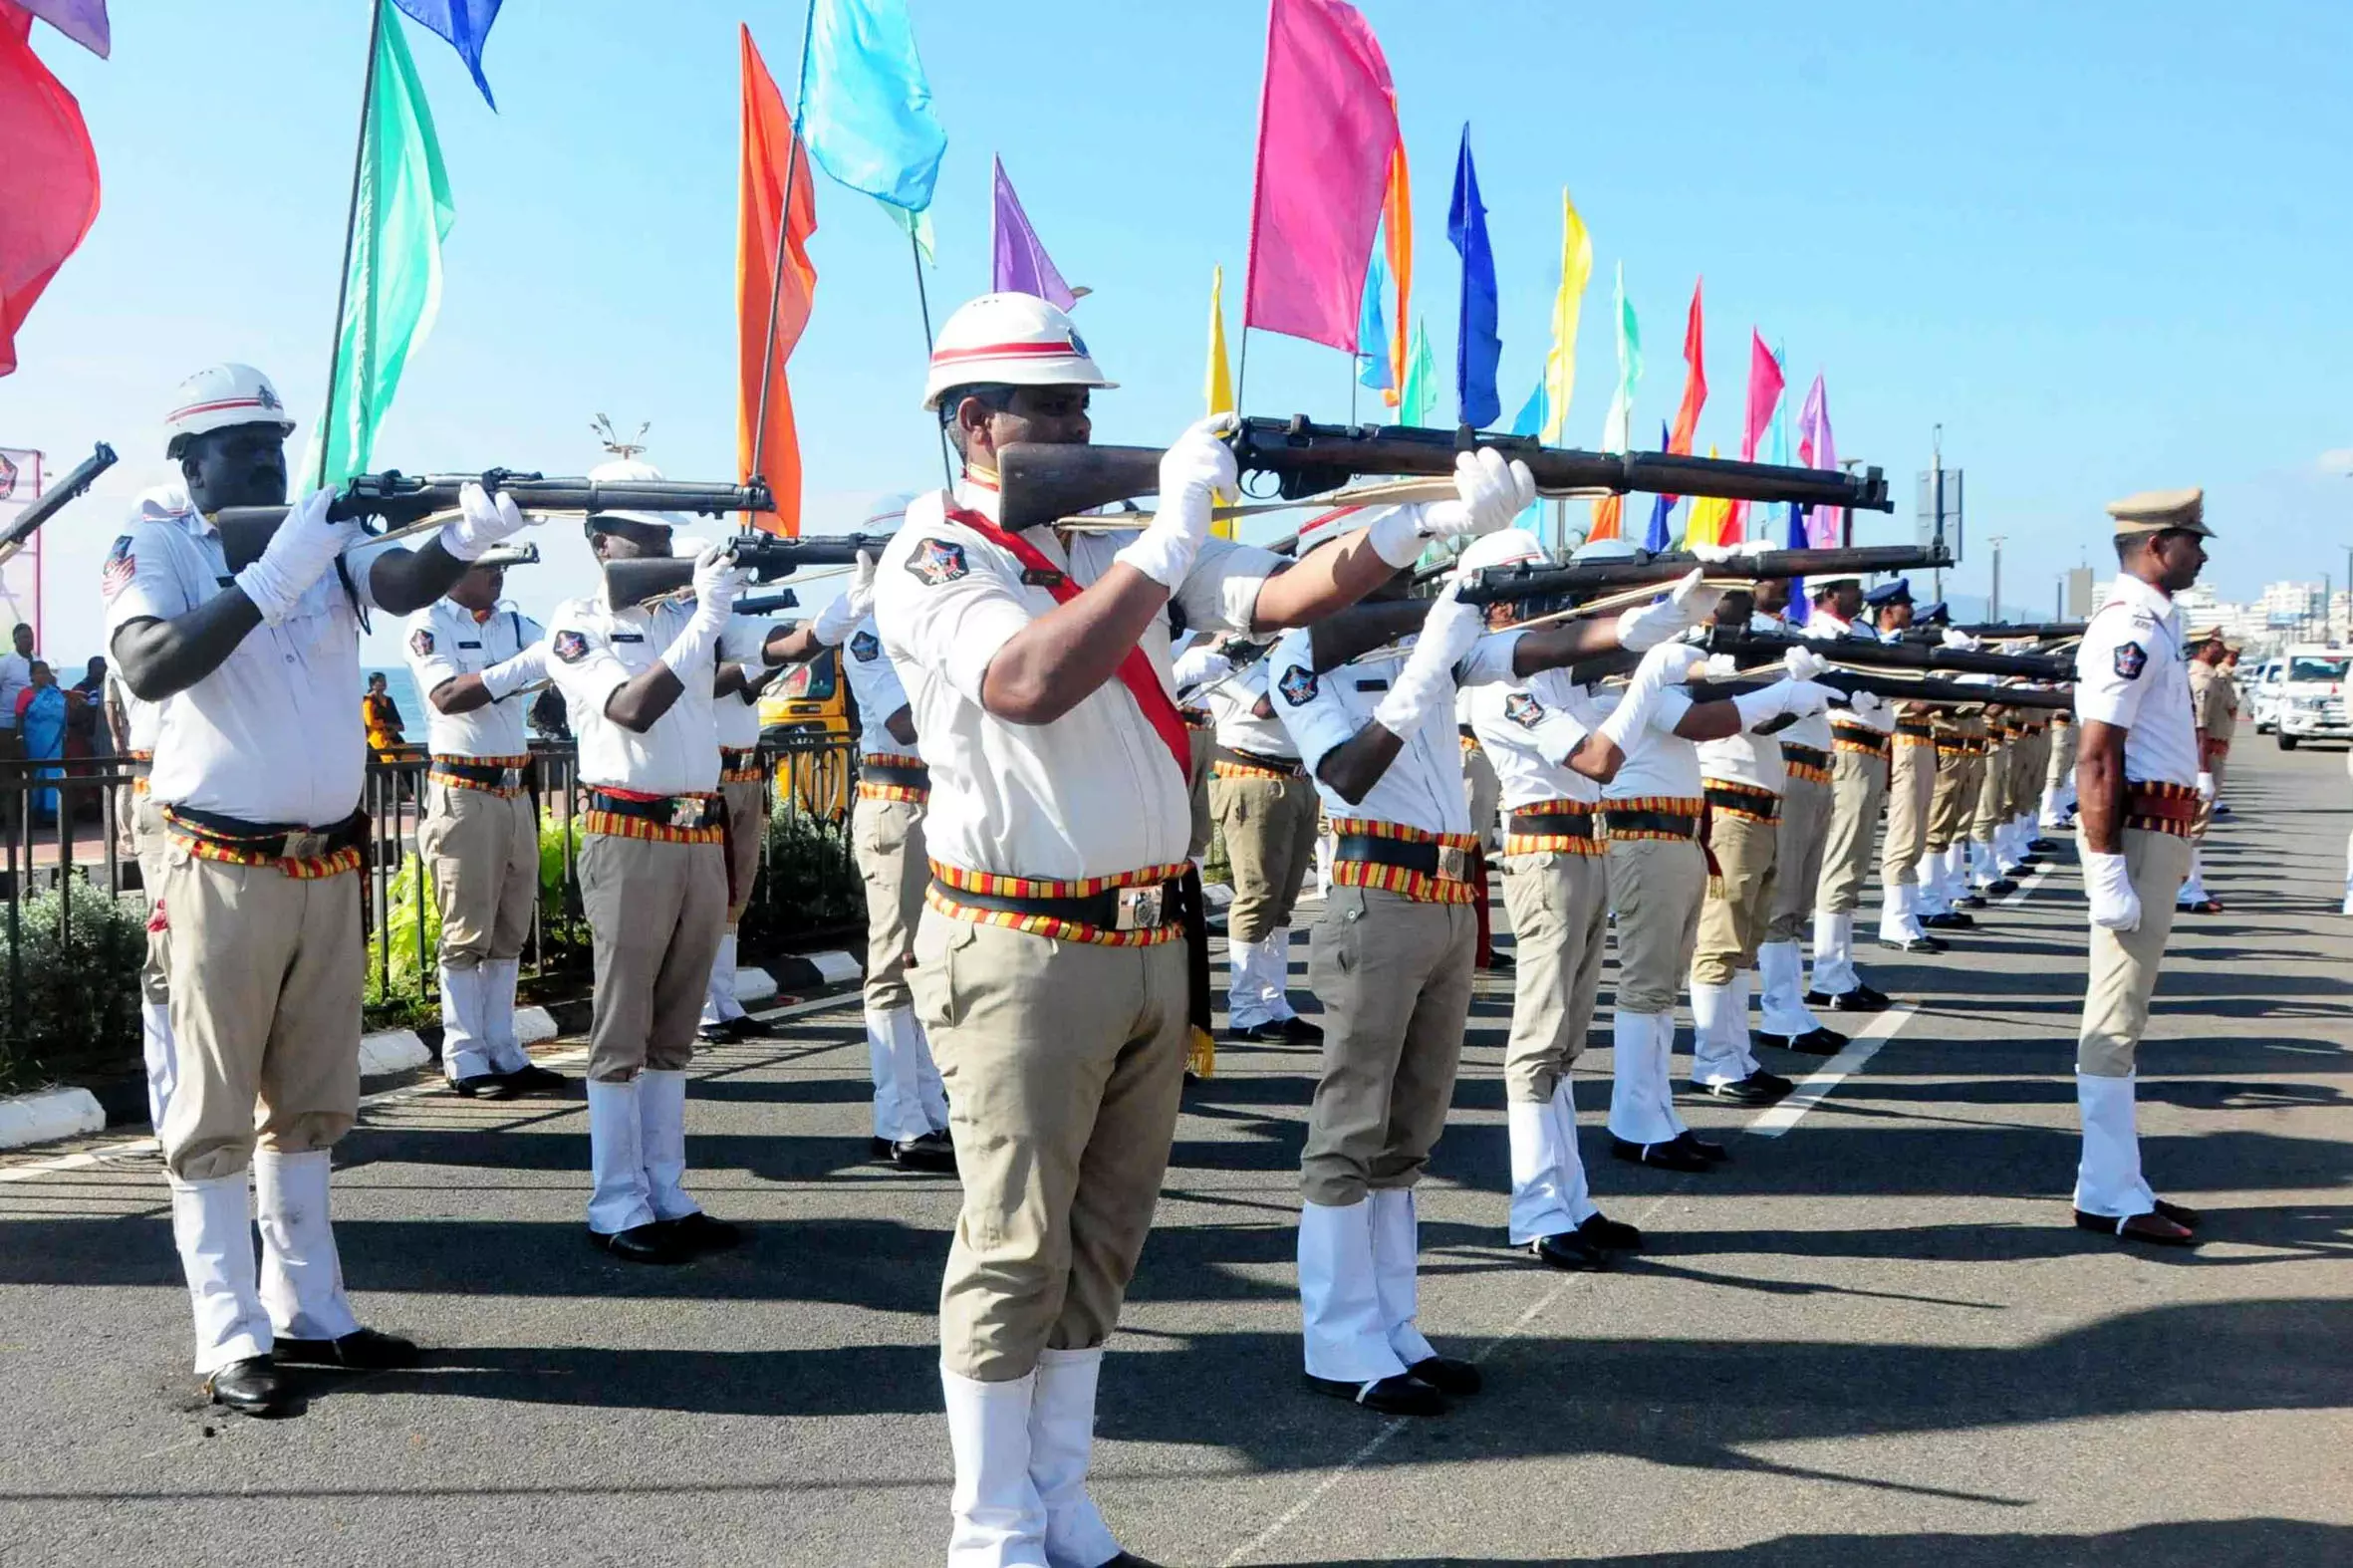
784	228
351	228
924	298
1242	368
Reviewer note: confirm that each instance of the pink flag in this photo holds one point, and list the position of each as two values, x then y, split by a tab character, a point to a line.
48	181
1764	391
1018	261
1818	448
1327	126
82	20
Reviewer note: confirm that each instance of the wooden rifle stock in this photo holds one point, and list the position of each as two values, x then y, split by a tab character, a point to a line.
1498	584
1041	482
55	500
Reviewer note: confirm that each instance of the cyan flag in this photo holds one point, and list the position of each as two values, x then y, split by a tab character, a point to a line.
1530	421
466	24
1479	349
867	116
1371	333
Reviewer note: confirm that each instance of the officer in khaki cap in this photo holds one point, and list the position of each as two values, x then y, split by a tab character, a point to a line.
2214	702
2137	770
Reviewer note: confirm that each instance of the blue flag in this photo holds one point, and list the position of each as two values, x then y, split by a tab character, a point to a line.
1656	540
1371	333
867	118
1477	347
466	24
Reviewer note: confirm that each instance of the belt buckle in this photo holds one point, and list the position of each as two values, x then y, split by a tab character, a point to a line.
1454	863
303	845
510	778
686	812
1138	908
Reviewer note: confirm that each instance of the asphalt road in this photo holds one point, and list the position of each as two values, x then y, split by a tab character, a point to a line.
1873	1338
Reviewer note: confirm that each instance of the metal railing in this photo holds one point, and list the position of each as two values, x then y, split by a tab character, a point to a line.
73	901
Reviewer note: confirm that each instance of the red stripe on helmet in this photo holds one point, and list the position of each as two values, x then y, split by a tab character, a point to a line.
1003	350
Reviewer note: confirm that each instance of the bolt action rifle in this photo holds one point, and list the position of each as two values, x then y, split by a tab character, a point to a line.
1528	579
54	500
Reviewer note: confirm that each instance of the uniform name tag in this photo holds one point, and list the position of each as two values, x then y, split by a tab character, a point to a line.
628	637
1040	577
469	645
1372	685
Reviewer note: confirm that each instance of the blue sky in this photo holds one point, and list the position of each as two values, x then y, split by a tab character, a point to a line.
2097	243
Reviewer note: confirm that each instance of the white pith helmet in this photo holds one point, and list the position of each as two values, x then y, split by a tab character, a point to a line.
219	397
1609	550
1504	547
621	469
1009	340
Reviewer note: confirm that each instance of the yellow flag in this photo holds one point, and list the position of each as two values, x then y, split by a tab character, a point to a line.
1561	365
1711	516
1218	386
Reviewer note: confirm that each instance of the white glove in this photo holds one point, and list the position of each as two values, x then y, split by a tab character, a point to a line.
1428	680
1872	709
1804	664
1490	493
717	580
1192	471
1754	549
1720	666
1668	665
1960	640
508	676
1715	555
2108	883
1691	602
481	522
2205	786
298	553
1795	698
837	621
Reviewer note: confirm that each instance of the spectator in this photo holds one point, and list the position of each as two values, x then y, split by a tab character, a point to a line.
383	717
16	677
42	712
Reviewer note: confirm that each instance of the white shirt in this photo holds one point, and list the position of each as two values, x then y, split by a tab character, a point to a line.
1234	704
16	673
1659	761
874	683
445	642
1094	793
144	720
736	716
1529	729
1822	626
1745	758
592	652
2131	671
273	735
1422	787
1814	729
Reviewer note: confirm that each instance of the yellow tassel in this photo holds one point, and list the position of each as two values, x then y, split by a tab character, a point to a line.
1202	1062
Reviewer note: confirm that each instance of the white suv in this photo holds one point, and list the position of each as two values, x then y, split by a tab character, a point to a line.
2311	703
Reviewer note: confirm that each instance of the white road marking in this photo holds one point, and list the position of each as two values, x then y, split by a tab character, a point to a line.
1860	1047
2029	885
105	1152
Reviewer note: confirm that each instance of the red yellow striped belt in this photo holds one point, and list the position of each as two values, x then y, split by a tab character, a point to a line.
1741	800
1554	827
888	775
693	818
1255	765
142	763
1859	739
500	776
1428	868
1130	909
1806	762
299	853
1670	817
741	765
2162	808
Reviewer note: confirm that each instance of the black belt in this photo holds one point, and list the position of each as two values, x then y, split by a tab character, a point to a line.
1291	766
873	772
1138	908
1804	756
1916	730
1672	823
1447	860
278	840
493	775
1551	824
683	812
1755	803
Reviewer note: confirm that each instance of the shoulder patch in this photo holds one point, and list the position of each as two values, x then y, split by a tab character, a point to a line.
1297	685
122	566
936	561
571	647
1524	709
420	643
2131	660
866	648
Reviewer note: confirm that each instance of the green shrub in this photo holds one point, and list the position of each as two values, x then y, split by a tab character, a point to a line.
75	1009
809	881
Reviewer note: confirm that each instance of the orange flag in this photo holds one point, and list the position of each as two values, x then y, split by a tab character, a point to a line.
1695	386
772	450
1397	227
1608	518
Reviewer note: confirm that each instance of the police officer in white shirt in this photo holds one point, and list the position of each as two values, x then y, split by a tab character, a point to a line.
473	660
2137	766
1799	843
141	721
1860	748
259	766
1046	970
746	793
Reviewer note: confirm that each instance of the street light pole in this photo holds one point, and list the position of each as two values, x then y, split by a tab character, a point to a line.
1994	607
1846	516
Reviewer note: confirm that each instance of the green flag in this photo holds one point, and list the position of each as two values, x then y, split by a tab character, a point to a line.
1421	389
1617	430
392	290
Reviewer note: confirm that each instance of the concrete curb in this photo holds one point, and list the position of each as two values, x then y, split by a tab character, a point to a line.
393	1051
809	971
49	1115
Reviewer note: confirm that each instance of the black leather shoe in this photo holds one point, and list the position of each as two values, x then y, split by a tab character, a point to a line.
1949	920
933	1153
1862	999
362	1350
1663	1157
2040	846
646	1244
1298	1031
1569	1250
1131	1560
1920	945
1613	1235
1456	1380
1500	962
254	1386
537	1080
698	1232
2001	888
712	1033
1758	1088
1399	1395
1814	1042
482	1086
1280	1031
1971	900
2181	1215
743	1026
1707	1149
2153	1228
2203	907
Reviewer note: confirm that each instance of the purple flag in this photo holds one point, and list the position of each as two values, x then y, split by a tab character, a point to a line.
82	20
1818	448
1019	264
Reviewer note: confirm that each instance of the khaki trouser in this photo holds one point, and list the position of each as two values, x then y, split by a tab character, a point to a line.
265	978
1797	857
2124	964
1738	898
1657	887
146	843
747	829
1063	1062
1912	786
1198	771
1857	785
1959	776
483	853
2037	762
888	837
1482	792
656	912
1395	977
1992	793
1270	828
2061	767
1560	913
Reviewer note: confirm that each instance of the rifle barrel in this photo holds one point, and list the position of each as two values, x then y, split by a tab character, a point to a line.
1892	655
55	499
1498	584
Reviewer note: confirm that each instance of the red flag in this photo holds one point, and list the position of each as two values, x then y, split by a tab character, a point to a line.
1327	130
48	180
1764	392
775	454
1694	386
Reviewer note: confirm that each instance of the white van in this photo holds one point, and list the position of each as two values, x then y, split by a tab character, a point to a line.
2259	690
2312	696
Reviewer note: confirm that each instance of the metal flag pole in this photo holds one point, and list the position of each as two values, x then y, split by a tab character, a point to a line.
351	230
784	228
948	467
